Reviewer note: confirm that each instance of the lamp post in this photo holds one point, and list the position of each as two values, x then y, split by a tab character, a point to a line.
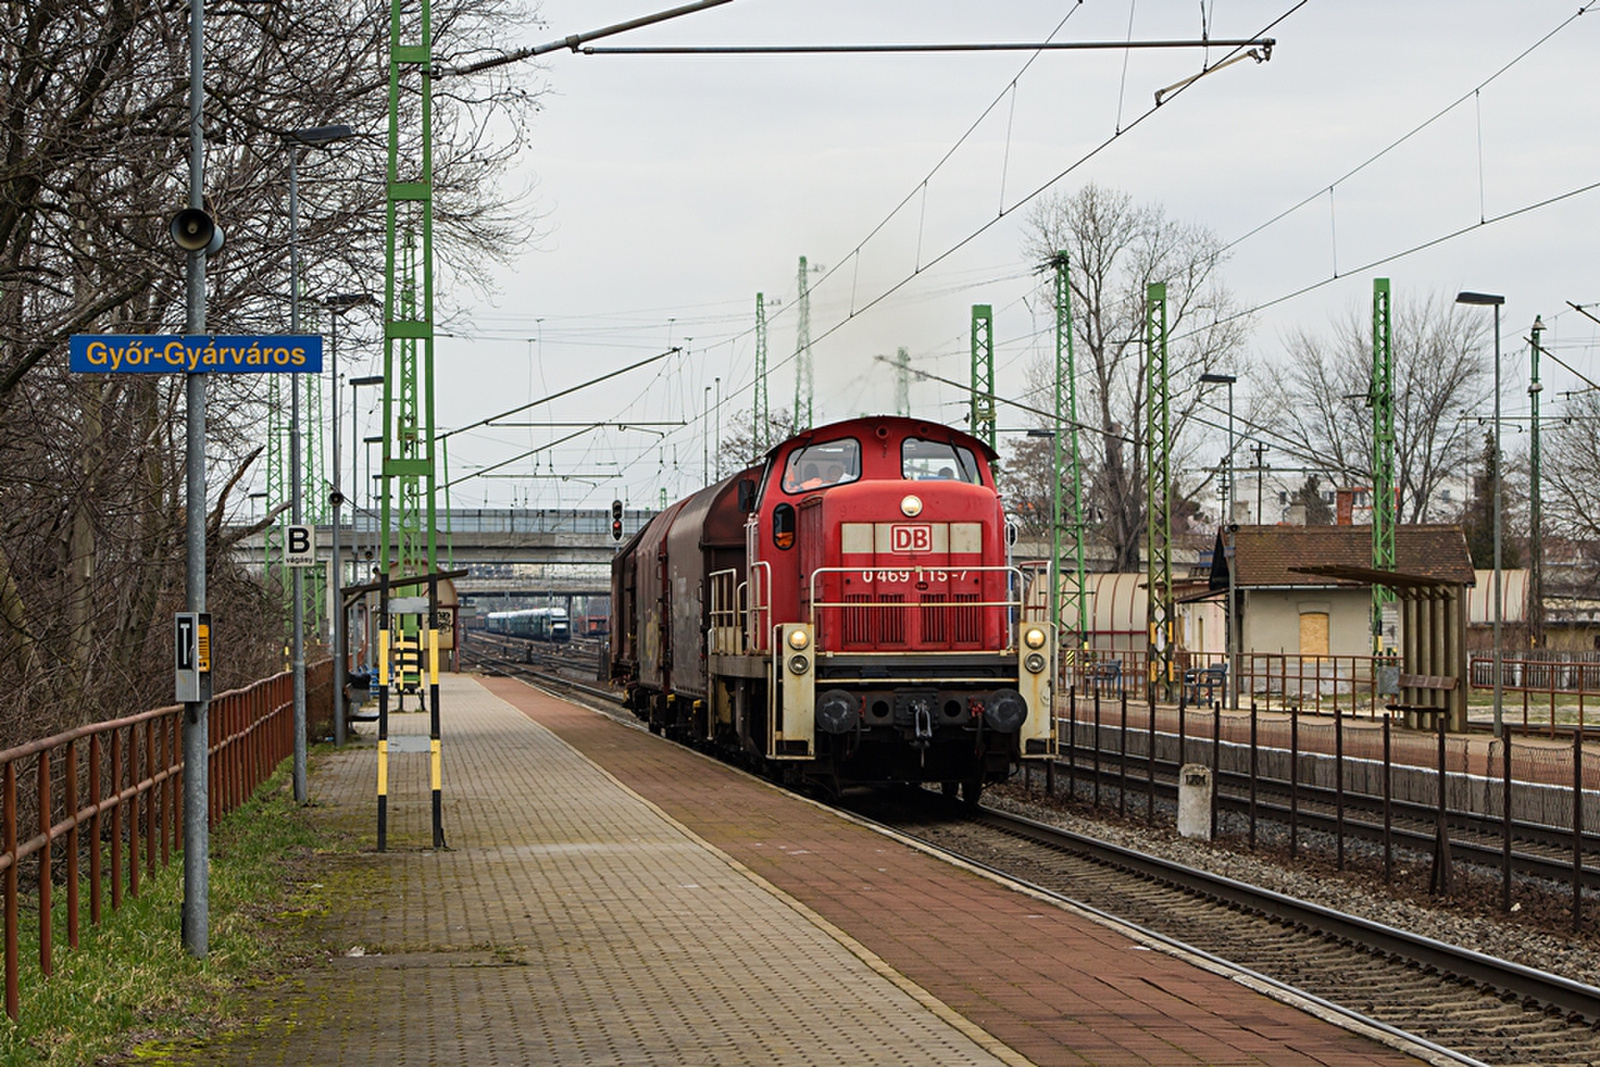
1494	300
1227	545
337	305
293	140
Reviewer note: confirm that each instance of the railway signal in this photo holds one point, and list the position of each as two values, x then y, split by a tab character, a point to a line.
616	520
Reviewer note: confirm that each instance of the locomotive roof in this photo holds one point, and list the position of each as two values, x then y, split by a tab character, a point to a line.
898	426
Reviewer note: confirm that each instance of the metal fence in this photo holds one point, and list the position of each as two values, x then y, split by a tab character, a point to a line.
1350	685
1348	779
109	797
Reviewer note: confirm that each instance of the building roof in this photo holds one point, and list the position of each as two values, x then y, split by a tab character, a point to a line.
1269	555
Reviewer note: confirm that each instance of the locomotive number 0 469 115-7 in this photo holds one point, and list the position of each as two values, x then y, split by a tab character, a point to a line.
918	575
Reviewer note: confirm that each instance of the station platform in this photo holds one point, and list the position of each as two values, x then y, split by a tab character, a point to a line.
611	898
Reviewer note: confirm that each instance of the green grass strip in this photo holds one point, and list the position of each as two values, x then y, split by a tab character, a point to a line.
130	981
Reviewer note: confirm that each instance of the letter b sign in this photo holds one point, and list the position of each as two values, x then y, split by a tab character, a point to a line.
299	547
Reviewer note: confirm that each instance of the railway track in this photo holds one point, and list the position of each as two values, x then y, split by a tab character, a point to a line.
1464	1006
1473	1006
1541	851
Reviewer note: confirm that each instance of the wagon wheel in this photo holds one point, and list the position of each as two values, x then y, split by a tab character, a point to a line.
948	789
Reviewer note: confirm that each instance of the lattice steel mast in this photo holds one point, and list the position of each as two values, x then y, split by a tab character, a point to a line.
902	382
981	418
1066	414
761	415
802	355
1158	489
1384	506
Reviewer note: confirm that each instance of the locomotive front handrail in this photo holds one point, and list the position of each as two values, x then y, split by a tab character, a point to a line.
911	577
759	609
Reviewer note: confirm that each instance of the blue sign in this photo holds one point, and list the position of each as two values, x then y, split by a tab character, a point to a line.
111	353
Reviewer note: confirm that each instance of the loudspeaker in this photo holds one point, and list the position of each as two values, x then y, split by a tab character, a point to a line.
193	230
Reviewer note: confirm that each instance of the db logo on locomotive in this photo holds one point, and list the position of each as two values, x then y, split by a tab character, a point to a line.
910	538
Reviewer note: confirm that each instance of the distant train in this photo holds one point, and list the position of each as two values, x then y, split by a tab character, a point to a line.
540	624
844	612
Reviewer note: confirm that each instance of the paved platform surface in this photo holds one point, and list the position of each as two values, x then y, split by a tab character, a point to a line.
610	898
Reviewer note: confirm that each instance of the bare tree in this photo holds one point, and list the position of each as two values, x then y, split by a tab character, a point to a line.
93	162
1441	373
1569	490
1115	249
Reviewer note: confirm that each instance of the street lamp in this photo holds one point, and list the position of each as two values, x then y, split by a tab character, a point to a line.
337	305
1493	300
314	136
1227	545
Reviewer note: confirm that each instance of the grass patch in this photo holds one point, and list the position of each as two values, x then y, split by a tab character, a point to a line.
131	981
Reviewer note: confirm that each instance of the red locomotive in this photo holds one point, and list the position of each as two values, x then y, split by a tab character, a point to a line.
845	612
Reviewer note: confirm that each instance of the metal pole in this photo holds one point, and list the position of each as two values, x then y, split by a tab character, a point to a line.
1499	465
336	567
297	608
196	725
1535	611
1235	637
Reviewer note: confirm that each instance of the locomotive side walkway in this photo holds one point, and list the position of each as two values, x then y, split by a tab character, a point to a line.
611	898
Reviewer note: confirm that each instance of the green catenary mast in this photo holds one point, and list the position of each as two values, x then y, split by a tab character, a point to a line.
1381	400
1069	457
761	416
277	489
408	540
802	355
981	419
902	382
1158	489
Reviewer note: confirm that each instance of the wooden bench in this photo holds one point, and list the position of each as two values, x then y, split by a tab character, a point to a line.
1423	716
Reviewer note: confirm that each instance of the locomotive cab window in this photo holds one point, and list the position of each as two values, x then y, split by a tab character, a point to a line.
821	466
922	460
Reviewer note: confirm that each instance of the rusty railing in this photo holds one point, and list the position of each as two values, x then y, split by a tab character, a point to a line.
112	792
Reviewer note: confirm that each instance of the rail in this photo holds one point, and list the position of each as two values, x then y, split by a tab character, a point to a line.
130	815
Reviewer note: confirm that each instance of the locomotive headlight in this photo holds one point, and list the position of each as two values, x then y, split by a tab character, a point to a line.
911	506
1034	637
799	639
799	664
1034	662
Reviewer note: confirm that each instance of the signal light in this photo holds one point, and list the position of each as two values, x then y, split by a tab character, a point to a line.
616	510
616	529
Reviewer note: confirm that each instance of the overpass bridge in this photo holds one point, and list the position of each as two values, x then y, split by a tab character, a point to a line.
512	554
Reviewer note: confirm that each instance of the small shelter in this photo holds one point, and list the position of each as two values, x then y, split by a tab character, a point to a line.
1307	590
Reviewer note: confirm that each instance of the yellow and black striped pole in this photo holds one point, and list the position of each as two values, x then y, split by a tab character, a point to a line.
383	712
436	768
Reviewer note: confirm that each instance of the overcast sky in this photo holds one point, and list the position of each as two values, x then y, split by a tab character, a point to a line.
673	189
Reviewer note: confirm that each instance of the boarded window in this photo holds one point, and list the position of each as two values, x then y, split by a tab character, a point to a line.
1313	633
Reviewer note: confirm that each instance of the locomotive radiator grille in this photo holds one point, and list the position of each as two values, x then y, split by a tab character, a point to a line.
933	618
891	622
945	622
857	620
966	623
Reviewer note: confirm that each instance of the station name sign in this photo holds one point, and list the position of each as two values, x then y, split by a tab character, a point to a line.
101	353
